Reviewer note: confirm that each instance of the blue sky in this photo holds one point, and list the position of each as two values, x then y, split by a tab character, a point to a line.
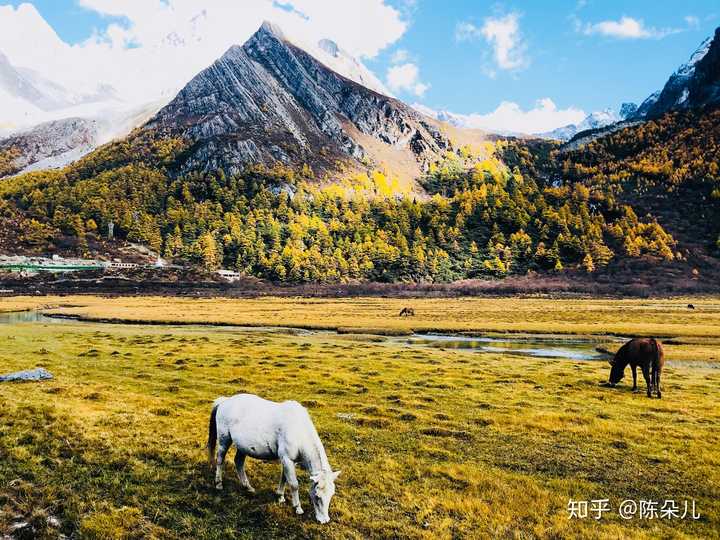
589	70
463	56
69	19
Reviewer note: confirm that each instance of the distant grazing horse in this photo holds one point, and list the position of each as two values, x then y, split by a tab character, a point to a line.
407	312
272	431
690	306
644	352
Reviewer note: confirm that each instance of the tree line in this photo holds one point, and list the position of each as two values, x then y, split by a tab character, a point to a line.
504	214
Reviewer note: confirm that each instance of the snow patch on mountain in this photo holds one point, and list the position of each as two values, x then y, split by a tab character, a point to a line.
677	92
29	98
329	53
59	160
646	105
688	68
594	120
15	111
58	142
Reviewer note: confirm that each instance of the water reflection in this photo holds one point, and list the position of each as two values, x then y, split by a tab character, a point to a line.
23	317
569	347
541	346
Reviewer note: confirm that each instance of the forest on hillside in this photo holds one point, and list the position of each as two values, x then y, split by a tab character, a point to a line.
525	205
669	166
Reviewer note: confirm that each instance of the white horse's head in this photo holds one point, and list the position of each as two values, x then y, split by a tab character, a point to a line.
322	490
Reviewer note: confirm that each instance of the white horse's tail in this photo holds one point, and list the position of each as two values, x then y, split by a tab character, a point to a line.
218	401
212	430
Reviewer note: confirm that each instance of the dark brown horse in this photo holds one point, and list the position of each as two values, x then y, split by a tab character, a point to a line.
644	352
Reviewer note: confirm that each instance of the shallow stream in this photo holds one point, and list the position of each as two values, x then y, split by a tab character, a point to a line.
537	345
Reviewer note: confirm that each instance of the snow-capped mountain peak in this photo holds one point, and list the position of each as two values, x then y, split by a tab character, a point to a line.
688	68
595	120
59	125
309	113
333	56
274	29
600	118
693	84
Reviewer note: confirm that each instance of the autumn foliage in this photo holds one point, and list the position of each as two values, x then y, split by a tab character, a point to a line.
518	207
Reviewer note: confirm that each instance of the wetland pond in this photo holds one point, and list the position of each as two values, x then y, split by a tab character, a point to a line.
570	347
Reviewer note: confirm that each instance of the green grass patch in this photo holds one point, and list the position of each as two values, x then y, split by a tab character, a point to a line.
432	443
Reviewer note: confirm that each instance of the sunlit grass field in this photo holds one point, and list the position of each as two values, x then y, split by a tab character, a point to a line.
432	443
689	334
658	317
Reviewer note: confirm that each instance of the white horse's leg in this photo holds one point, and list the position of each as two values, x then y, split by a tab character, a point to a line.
291	477
223	446
280	491
240	470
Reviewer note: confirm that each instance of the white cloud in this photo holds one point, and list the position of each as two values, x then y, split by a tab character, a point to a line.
399	56
509	117
406	77
156	46
465	31
364	27
692	21
624	28
503	35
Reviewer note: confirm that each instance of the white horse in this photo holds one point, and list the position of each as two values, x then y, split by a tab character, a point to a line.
272	431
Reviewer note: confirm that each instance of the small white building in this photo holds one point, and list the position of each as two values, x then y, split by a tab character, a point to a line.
229	275
121	265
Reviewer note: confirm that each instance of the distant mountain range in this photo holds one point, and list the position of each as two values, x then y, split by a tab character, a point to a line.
270	101
693	85
592	121
56	143
45	125
27	97
388	193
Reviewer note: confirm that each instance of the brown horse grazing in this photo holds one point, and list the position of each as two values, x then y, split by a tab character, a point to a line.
407	312
644	352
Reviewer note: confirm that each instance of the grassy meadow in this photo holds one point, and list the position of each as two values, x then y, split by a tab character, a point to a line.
433	443
658	317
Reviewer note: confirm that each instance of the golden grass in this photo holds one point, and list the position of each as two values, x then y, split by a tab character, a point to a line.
696	332
22	303
668	317
432	443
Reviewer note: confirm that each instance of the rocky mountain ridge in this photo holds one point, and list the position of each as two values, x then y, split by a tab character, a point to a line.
270	102
694	84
